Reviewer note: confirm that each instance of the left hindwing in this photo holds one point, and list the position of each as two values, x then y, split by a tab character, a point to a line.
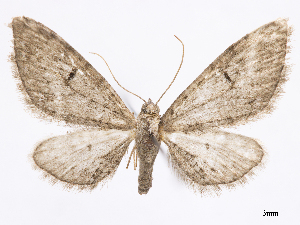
83	157
212	157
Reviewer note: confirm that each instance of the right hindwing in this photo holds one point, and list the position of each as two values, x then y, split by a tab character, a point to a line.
212	157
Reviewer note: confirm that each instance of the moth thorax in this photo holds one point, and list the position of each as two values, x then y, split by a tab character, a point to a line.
150	108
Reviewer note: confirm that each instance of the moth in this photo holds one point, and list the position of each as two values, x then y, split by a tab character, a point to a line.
240	85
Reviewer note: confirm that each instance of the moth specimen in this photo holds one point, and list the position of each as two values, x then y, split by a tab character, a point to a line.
239	85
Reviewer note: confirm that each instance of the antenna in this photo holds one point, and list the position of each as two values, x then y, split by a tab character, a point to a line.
115	78
176	73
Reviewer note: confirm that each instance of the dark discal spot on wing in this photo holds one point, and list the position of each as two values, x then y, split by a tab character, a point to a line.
72	74
171	111
227	77
89	147
252	101
213	169
199	83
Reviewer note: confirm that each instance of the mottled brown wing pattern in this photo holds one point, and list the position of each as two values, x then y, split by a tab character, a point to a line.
83	158
212	157
61	83
237	86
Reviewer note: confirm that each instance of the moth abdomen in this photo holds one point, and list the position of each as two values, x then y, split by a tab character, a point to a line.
147	143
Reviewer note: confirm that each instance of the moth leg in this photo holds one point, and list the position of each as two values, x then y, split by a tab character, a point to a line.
134	157
135	160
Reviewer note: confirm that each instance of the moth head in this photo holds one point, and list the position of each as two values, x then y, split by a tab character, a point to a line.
150	108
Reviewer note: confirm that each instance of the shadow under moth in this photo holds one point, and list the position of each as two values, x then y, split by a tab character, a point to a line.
238	86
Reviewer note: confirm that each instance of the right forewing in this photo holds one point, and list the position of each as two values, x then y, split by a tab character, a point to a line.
237	86
212	157
83	157
61	83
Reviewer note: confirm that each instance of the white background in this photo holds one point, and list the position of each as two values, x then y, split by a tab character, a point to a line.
136	38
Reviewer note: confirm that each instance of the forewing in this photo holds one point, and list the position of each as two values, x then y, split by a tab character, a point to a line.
83	157
212	157
61	83
237	85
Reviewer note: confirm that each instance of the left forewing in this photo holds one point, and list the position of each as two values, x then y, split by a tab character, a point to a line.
60	84
83	158
212	157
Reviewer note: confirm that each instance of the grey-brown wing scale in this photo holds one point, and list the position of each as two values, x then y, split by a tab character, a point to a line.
61	83
212	157
83	158
237	86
